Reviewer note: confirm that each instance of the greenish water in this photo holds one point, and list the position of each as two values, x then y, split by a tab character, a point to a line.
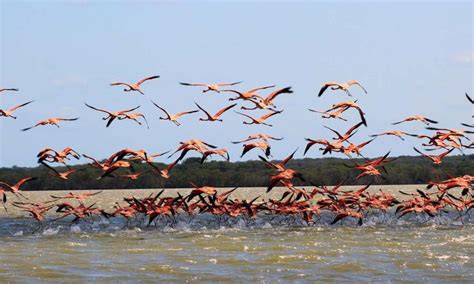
102	252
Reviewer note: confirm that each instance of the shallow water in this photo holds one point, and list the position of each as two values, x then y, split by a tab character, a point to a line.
104	251
210	249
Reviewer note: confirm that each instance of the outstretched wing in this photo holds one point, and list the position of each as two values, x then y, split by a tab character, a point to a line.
325	87
203	110
97	109
19	106
273	95
221	111
228	84
194	85
21	182
469	99
146	79
164	110
271	114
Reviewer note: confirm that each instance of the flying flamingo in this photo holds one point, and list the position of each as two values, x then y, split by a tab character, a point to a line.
36	211
51	121
173	117
197	190
340	86
248	94
61	175
347	105
15	189
259	120
134	117
420	118
133	176
285	177
435	159
53	156
341	214
9	113
81	197
399	134
281	165
262	145
111	116
134	87
216	116
331	114
221	152
264	137
211	87
312	142
355	149
8	89
267	102
165	173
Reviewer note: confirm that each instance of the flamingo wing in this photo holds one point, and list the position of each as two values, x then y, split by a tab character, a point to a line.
19	106
146	79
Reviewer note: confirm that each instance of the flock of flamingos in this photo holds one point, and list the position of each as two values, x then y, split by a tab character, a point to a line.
296	202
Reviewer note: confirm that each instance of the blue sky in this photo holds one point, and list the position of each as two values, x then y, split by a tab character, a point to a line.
413	58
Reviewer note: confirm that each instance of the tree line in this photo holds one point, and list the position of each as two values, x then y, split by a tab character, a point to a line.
320	171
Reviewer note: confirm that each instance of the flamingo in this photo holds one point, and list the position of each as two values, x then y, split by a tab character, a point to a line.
354	149
435	159
134	87
196	144
165	173
15	189
312	142
262	145
173	117
267	102
111	116
221	152
36	211
285	177
216	116
340	86
81	197
9	113
56	157
200	190
281	165
399	134
211	87
133	176
346	135
344	214
51	121
61	175
134	117
331	114
260	120
369	168
248	94
264	137
420	118
8	89
347	105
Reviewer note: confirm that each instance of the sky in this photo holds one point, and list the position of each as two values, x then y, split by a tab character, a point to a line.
412	57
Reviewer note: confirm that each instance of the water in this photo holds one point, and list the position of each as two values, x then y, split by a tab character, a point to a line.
207	249
109	252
